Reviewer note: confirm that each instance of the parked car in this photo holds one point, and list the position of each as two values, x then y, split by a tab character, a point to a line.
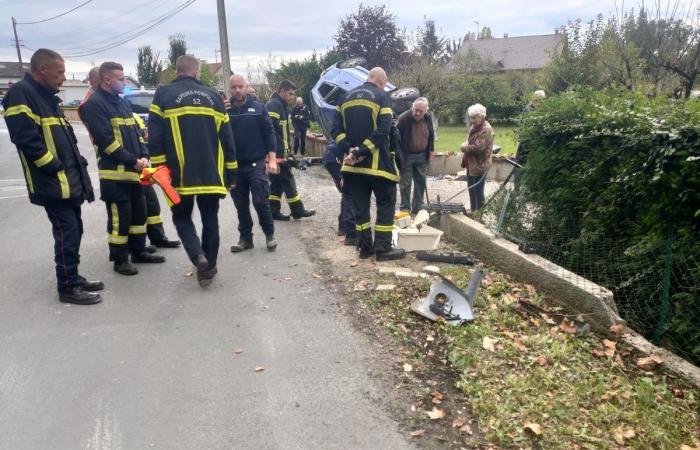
341	77
140	101
73	103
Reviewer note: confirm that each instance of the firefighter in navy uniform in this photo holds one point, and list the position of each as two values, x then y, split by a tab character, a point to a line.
55	171
255	151
188	130
122	154
362	128
283	182
154	221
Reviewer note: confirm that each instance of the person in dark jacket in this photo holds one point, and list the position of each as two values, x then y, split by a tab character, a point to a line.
283	182
333	161
188	130
255	151
54	170
122	154
362	129
417	146
301	120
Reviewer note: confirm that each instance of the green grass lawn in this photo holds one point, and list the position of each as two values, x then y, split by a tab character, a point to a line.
451	137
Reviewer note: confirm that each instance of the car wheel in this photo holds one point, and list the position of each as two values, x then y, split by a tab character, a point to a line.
403	98
352	62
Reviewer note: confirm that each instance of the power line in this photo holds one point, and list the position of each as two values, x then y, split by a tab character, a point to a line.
134	35
55	17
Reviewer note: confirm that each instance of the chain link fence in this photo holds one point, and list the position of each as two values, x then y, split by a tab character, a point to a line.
656	284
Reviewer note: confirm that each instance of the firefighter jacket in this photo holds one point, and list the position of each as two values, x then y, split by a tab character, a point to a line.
54	169
279	113
363	120
116	136
252	130
188	130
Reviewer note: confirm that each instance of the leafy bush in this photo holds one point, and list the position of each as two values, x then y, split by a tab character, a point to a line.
614	181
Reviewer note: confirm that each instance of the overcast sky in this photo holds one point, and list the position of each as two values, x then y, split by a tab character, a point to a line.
258	28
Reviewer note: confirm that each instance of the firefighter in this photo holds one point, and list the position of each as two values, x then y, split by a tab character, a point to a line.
54	170
154	222
361	129
255	151
332	161
122	154
189	132
283	182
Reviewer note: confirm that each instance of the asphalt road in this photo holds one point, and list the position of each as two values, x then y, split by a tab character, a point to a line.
154	366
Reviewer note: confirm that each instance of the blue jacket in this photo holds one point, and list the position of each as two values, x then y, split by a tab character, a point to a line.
252	130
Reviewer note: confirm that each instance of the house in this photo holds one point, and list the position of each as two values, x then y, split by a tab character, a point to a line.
524	53
11	72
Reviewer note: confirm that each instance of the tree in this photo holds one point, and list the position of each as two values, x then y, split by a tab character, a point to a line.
178	47
148	67
371	33
432	47
206	77
485	33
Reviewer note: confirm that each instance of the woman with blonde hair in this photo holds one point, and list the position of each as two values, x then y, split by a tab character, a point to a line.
477	154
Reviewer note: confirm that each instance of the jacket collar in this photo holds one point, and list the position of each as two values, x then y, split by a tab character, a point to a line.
186	77
43	90
114	98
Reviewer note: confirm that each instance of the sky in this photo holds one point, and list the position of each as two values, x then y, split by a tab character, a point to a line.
259	30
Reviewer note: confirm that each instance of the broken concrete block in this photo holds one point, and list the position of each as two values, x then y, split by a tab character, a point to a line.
431	269
386	287
392	270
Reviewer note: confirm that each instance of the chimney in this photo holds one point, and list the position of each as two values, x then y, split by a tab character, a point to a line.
505	35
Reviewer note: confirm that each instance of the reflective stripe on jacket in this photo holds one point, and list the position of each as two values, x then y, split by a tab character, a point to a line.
279	113
54	169
188	131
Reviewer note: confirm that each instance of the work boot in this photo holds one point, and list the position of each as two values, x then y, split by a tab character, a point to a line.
147	258
125	268
90	286
390	255
340	232
280	216
271	242
366	252
242	246
166	243
78	296
151	248
304	213
204	273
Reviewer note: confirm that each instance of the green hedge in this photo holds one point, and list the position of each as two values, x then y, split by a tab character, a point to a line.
613	179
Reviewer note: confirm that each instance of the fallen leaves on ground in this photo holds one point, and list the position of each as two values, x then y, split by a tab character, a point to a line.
520	345
238	351
649	362
458	422
567	326
489	344
355	263
407	368
436	413
534	428
315	275
621	435
617	329
259	368
418	433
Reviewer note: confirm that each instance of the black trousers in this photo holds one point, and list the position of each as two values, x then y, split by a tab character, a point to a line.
346	218
208	205
154	222
126	222
361	188
252	181
67	228
284	183
300	139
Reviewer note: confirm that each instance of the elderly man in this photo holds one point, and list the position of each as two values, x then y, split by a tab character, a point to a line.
301	120
477	154
417	146
54	170
361	130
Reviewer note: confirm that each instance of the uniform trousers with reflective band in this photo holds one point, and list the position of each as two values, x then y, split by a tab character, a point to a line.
346	218
284	183
300	140
252	181
67	228
361	188
154	222
208	205
126	222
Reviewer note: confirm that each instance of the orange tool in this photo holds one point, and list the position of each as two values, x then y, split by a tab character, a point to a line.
161	176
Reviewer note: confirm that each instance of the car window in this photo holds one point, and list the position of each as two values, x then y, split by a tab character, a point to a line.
334	96
140	103
325	88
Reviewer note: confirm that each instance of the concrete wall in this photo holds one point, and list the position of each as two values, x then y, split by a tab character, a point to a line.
575	293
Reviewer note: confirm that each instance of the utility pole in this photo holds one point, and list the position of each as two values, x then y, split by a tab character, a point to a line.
477	29
223	38
19	53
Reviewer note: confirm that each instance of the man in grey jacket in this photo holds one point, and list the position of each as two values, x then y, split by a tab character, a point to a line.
417	146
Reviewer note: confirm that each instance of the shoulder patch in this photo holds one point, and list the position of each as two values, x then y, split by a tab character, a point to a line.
251	109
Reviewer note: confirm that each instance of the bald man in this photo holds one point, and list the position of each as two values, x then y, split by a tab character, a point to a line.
255	151
301	120
361	130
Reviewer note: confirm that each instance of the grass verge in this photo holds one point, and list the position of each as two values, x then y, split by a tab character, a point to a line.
531	383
